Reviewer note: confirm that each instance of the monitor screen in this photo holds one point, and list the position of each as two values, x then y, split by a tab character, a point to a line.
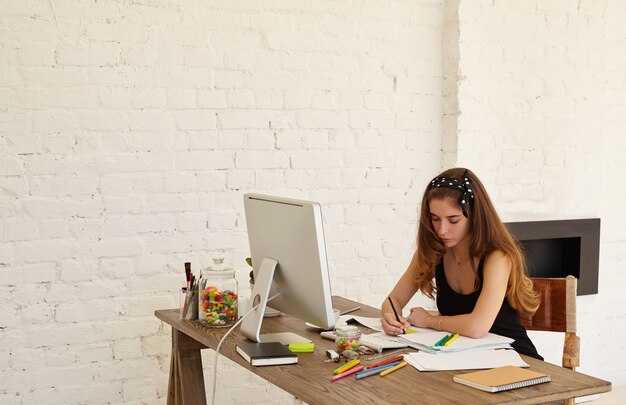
288	253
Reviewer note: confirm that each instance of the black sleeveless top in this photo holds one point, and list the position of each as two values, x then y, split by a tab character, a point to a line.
507	322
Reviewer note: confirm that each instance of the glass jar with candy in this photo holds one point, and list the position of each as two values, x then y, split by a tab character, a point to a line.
217	296
347	337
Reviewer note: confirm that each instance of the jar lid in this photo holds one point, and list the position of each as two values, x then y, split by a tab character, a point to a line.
347	329
218	266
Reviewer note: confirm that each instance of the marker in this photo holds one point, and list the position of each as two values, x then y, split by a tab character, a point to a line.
388	360
394	368
442	340
346	373
373	371
452	339
395	312
346	366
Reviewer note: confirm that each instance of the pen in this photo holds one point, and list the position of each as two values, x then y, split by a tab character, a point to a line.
394	311
442	340
452	338
346	366
392	369
388	360
346	373
373	371
347	311
380	355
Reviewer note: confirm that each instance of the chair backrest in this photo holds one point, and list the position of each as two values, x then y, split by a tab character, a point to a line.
557	313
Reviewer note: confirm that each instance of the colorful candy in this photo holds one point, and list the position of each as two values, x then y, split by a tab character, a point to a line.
217	308
347	338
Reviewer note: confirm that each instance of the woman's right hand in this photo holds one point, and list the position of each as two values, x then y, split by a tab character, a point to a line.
391	326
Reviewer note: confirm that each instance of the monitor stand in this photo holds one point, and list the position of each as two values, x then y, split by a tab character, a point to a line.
251	326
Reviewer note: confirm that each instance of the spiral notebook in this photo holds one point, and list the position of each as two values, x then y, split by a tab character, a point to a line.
502	378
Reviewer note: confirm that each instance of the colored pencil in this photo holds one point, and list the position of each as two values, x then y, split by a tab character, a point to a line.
373	371
346	373
392	369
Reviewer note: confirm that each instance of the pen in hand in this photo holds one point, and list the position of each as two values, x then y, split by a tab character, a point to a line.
395	312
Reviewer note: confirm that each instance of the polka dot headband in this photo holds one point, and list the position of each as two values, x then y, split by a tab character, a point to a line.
467	195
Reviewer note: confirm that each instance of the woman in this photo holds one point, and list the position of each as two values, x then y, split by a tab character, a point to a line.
478	267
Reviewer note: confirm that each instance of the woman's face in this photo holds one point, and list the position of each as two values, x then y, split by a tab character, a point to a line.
448	220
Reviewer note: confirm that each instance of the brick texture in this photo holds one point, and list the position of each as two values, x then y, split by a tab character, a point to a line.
129	132
128	135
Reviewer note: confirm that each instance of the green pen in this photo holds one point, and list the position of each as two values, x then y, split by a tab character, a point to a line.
441	341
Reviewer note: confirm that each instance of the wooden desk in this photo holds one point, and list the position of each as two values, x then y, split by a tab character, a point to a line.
309	380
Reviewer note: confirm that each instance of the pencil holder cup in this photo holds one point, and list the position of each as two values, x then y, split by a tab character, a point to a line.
347	338
188	304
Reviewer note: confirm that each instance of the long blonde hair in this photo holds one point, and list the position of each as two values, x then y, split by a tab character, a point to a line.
487	234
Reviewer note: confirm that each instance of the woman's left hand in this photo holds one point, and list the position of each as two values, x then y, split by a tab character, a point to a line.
418	317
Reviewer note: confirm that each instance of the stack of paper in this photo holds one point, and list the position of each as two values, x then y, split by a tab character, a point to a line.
465	360
425	342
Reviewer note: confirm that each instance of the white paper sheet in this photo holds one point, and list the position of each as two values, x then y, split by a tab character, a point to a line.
374	323
465	360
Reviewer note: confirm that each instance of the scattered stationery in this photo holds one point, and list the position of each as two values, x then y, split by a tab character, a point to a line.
346	367
464	360
266	354
346	373
385	361
501	378
376	370
394	368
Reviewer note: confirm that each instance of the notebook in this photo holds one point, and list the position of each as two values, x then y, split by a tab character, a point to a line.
502	378
266	354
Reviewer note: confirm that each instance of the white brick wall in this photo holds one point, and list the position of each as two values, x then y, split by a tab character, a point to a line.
129	132
541	104
128	135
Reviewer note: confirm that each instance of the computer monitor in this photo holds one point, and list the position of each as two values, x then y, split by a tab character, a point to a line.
288	253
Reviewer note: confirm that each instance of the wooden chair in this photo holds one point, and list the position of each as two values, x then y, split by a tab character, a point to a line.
557	313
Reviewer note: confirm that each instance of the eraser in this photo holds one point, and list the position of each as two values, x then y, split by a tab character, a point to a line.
332	354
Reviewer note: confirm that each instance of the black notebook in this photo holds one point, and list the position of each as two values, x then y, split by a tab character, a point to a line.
266	354
502	378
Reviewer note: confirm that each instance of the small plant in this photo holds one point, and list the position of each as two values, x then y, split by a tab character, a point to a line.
249	261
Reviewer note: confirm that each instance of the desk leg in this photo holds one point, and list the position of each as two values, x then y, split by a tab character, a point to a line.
186	383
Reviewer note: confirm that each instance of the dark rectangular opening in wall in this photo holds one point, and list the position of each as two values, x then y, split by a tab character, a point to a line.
556	257
560	248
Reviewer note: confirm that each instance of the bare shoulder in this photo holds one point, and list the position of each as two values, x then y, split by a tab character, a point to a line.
497	261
